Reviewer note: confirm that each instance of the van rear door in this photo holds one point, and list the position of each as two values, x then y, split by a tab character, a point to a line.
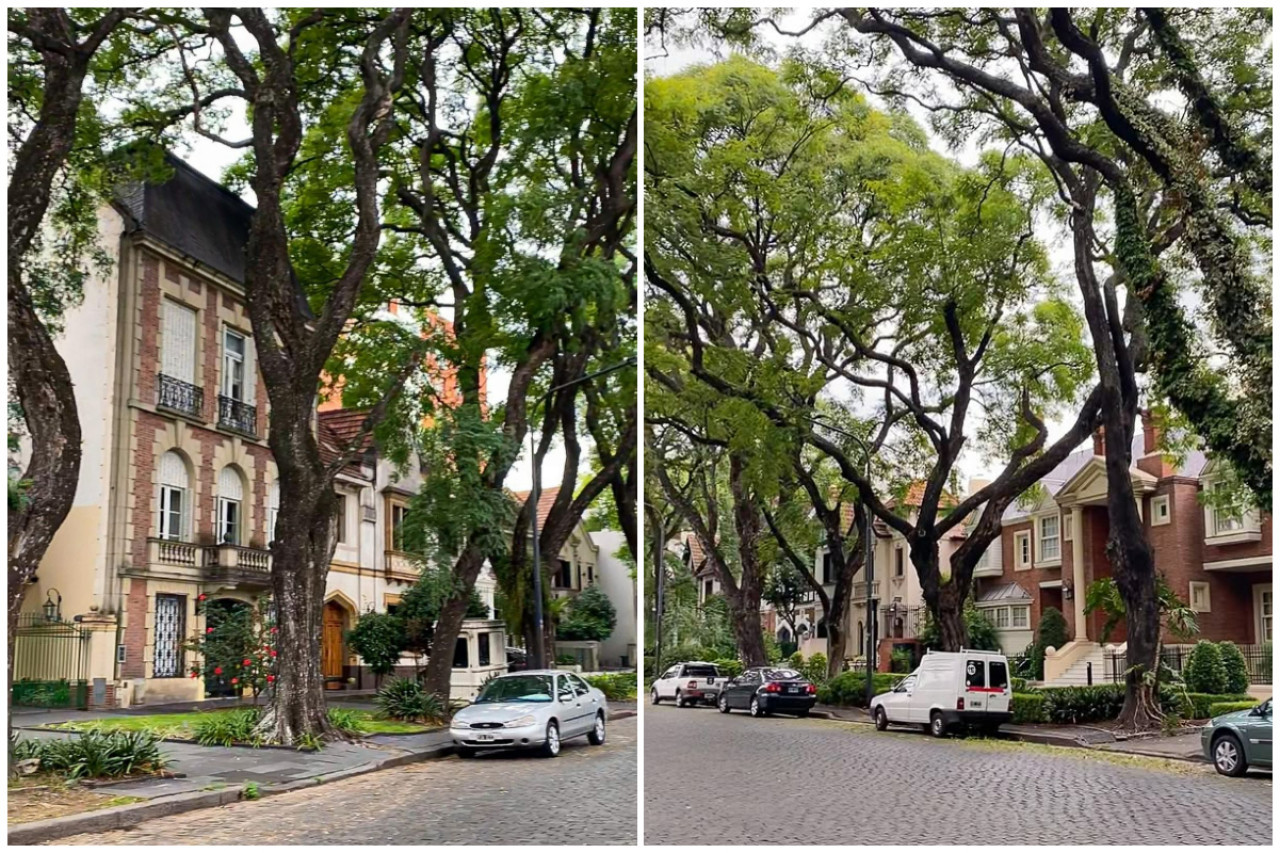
998	683
976	690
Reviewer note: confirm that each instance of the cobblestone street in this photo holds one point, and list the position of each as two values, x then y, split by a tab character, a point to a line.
718	779
585	796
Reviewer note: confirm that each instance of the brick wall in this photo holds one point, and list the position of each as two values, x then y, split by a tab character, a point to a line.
1030	579
135	632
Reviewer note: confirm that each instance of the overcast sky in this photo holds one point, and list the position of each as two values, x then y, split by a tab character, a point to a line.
678	58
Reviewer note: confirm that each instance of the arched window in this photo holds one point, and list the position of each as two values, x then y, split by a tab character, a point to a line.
273	510
822	628
172	501
230	501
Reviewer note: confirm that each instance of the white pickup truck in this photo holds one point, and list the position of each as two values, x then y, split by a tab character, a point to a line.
689	683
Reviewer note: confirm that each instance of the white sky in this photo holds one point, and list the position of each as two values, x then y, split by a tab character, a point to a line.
1054	238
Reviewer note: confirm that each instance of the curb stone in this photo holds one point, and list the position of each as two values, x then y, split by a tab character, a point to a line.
124	817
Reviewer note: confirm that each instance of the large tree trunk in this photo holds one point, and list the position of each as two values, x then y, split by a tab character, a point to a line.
944	600
449	624
300	554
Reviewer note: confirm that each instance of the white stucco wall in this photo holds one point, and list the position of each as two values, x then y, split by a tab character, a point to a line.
615	580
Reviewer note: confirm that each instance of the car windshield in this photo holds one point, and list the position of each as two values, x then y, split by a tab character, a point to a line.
781	674
701	671
517	688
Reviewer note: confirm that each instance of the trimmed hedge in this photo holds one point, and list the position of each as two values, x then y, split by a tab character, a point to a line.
616	686
850	688
1237	669
1020	686
1202	703
1204	671
1219	708
1028	708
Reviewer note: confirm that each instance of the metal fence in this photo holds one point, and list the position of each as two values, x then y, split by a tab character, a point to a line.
50	663
1257	659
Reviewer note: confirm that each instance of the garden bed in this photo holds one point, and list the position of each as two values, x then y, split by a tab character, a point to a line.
45	795
180	727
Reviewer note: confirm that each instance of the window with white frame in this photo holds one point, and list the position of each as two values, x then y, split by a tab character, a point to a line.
230	501
1021	615
983	561
1226	522
340	518
1159	510
173	504
1199	596
1050	544
273	511
1022	549
1002	617
233	361
1264	614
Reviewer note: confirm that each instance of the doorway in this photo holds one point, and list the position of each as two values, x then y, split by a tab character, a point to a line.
332	649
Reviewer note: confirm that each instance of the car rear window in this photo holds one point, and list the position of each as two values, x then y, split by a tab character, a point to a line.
782	674
700	671
999	674
975	673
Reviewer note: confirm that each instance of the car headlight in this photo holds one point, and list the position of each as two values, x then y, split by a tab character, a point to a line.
518	722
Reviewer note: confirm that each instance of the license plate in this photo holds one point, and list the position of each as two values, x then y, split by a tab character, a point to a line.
793	689
484	737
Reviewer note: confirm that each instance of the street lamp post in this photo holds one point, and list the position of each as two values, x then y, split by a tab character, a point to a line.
538	655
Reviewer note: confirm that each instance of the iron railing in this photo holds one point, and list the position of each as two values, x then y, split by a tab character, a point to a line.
179	396
1257	659
237	415
901	623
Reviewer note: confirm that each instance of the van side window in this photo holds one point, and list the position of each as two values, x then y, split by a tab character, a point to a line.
975	673
999	674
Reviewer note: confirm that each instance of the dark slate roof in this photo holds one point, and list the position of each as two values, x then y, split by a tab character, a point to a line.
1004	592
197	216
193	214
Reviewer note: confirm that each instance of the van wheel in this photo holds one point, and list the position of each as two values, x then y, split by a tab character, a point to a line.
882	720
937	727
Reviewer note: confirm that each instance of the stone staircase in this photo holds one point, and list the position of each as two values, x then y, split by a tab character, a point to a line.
1077	675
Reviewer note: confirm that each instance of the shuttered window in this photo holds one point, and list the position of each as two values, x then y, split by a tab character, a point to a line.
230	499
178	342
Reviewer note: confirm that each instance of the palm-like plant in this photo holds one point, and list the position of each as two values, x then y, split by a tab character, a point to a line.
1175	614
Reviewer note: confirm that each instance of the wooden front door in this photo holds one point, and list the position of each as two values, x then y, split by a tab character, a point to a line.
331	651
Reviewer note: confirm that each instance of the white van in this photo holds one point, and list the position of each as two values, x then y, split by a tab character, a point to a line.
949	690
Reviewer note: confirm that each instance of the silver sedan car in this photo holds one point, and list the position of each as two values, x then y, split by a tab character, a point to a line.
535	709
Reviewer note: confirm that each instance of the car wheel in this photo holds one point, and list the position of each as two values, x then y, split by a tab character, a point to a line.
679	700
551	746
653	696
597	732
465	752
756	710
1228	756
937	727
882	720
723	704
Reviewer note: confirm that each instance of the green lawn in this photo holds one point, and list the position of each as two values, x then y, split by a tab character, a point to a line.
182	726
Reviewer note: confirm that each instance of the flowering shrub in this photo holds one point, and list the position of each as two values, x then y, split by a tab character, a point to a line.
238	646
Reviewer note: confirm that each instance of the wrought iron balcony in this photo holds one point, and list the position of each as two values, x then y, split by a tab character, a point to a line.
179	396
237	415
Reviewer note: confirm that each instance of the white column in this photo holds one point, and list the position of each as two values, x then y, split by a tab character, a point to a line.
1077	570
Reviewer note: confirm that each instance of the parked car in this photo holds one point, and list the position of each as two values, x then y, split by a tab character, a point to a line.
536	709
949	690
688	683
763	690
1237	741
517	659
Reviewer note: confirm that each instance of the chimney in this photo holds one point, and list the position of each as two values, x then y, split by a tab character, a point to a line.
1151	431
1099	442
1153	461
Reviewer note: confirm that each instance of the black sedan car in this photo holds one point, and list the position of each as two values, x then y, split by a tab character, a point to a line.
764	690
